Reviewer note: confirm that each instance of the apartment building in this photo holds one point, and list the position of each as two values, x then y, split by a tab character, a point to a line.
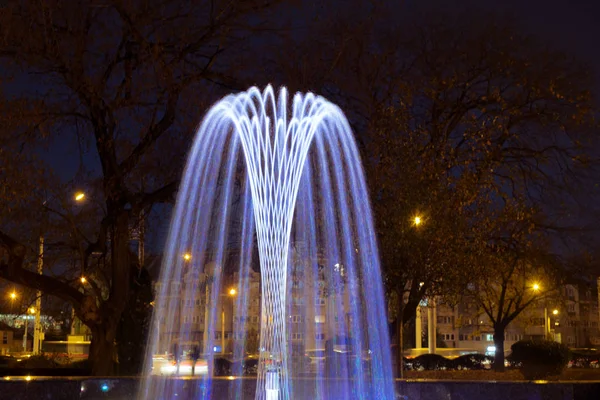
572	317
316	310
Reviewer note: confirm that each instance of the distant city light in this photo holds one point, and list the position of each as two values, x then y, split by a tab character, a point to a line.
79	196
104	387
555	312
232	292
187	256
417	220
491	349
536	287
82	279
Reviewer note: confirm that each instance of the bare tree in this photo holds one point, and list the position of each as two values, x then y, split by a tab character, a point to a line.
123	81
456	119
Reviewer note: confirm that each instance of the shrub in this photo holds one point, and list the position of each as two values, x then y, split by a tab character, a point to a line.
540	359
38	361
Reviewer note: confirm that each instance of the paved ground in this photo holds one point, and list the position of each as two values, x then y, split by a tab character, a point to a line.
571	374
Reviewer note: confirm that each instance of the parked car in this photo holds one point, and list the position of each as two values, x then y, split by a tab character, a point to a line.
584	360
474	361
6	361
429	362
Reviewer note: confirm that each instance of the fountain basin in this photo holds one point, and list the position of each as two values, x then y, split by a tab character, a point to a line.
124	388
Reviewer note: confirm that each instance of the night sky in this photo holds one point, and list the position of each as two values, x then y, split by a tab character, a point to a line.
570	27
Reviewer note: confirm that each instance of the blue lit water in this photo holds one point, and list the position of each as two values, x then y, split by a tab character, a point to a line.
284	177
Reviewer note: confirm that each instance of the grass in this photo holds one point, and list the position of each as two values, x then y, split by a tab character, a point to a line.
508	375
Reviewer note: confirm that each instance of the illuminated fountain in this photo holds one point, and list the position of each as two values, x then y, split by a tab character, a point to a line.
289	175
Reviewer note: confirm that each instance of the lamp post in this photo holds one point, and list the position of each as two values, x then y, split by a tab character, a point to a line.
37	326
418	325
31	310
431	308
547	325
232	292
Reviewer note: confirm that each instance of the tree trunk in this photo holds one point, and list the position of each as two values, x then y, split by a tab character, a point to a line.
499	345
104	329
102	350
400	336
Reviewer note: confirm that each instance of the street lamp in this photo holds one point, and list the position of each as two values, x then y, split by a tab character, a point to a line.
417	220
547	324
37	326
13	296
30	310
232	292
536	287
187	256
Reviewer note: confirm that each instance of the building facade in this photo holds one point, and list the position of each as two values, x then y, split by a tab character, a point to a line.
315	308
571	318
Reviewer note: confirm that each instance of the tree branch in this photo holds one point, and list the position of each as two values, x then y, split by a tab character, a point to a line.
12	270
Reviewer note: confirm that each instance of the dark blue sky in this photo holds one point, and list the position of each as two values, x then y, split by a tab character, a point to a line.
570	26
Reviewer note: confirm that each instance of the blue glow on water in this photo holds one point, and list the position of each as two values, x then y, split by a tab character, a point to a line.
287	179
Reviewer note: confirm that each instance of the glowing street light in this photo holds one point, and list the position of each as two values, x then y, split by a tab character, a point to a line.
79	196
187	256
82	279
232	292
536	287
548	324
13	295
417	220
31	310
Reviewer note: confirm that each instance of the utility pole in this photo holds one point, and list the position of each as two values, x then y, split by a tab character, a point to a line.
37	328
25	334
418	328
223	326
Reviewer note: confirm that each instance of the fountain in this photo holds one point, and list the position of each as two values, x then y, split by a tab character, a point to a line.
285	178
